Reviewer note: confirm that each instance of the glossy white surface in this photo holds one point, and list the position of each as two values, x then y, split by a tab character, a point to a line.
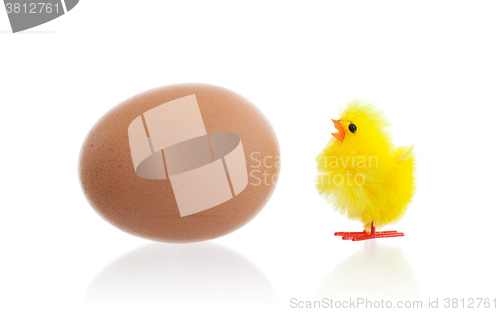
433	67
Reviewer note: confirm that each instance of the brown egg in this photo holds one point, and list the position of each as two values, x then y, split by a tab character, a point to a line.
180	163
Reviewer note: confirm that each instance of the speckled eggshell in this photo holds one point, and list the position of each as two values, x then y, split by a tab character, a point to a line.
151	207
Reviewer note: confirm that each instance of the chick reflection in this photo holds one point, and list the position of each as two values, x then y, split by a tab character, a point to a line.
180	275
376	271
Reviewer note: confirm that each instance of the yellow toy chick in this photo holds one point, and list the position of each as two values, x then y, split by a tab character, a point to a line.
362	174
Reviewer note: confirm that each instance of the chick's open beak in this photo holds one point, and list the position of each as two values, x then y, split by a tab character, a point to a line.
341	132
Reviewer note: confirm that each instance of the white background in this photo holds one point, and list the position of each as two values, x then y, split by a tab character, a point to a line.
434	67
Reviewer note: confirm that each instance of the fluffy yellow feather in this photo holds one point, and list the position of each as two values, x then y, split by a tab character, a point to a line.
361	173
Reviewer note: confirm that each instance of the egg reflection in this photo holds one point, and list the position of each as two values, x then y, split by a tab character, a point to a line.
182	276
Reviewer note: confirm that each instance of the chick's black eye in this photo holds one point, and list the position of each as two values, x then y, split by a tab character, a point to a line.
352	128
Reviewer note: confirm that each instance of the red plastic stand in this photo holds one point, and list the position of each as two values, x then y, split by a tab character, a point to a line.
359	236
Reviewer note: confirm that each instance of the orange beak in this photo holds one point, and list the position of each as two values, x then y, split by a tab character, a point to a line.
341	132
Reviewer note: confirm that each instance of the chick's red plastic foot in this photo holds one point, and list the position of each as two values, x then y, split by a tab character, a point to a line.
359	236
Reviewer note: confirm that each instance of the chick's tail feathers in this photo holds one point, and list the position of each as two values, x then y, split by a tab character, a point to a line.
403	153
